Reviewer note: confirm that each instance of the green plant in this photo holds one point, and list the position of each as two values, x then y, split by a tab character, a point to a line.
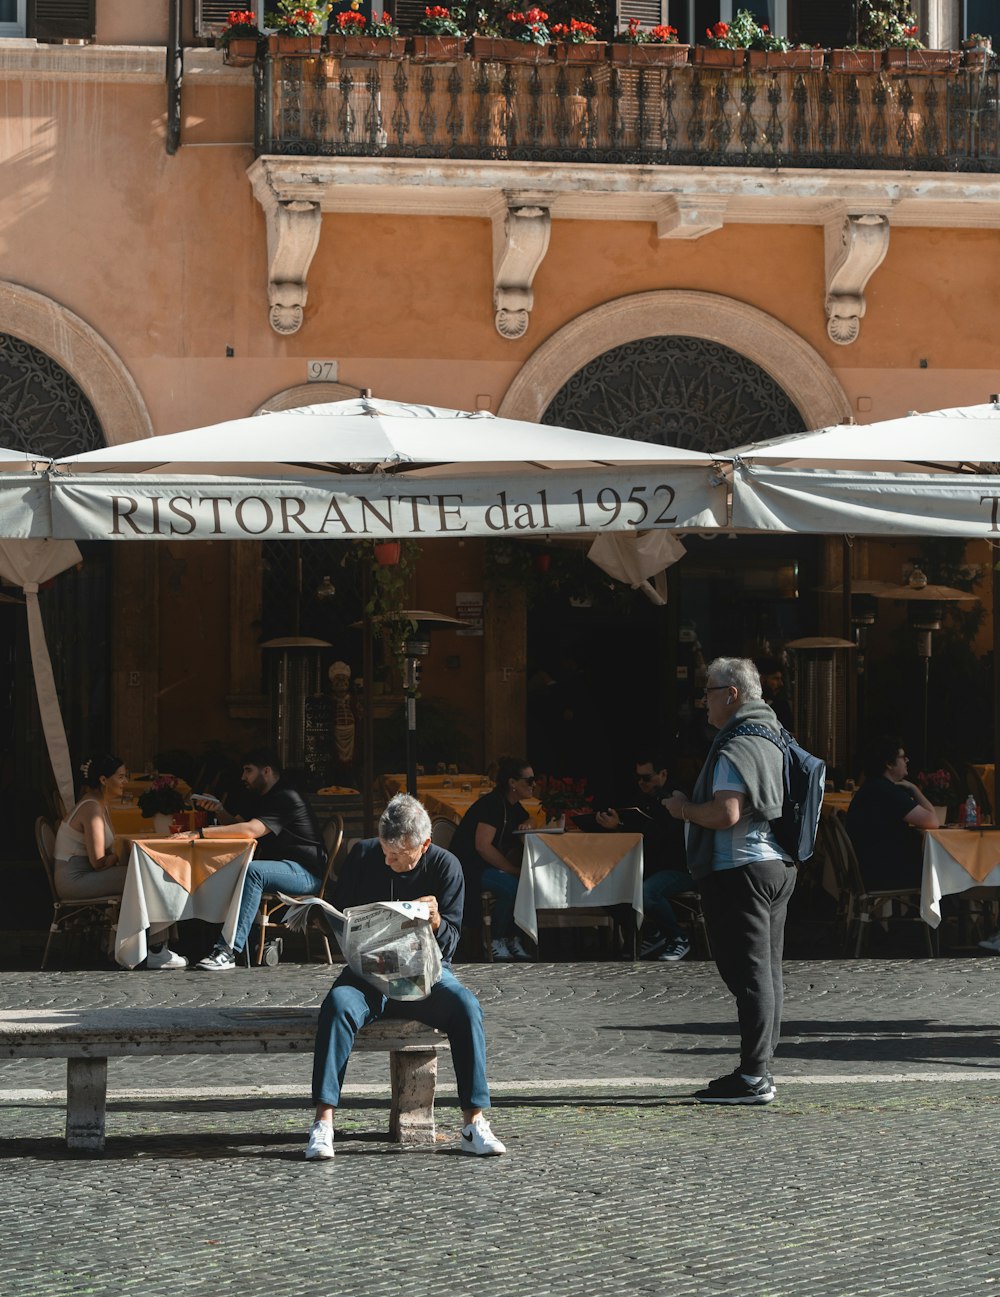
574	32
439	21
242	23
885	23
633	34
300	17
558	795
528	25
744	33
351	23
382	25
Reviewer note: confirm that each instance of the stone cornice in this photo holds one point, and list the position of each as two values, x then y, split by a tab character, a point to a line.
598	191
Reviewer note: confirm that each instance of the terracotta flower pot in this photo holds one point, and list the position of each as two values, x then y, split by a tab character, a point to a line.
352	46
387	552
240	51
785	60
898	60
583	52
977	57
711	58
653	54
437	49
499	49
294	47
855	61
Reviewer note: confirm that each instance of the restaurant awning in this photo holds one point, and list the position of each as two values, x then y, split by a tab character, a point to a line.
931	474
378	469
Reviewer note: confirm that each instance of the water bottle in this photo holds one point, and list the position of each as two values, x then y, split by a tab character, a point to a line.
970	816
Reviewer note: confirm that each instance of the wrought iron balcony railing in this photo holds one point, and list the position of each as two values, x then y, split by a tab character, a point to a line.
471	109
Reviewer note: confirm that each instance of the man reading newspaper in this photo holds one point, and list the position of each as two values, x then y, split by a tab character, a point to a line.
402	864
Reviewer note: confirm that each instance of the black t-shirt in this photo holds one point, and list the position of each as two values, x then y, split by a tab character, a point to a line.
366	878
888	849
294	833
503	818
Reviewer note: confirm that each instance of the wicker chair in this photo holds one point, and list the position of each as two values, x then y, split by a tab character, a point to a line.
270	902
863	903
96	912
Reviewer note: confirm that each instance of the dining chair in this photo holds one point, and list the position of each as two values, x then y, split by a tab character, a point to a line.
270	902
865	904
689	904
94	912
442	832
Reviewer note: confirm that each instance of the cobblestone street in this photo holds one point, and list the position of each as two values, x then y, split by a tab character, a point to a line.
871	1173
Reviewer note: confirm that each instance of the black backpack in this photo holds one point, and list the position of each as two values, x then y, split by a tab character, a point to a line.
805	782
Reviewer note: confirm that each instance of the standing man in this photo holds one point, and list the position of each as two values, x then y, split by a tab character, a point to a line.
664	874
402	864
744	877
290	855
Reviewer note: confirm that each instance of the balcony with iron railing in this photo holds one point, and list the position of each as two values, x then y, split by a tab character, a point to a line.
687	116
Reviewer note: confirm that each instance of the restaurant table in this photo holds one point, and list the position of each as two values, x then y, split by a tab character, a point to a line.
444	795
561	871
129	822
169	880
954	861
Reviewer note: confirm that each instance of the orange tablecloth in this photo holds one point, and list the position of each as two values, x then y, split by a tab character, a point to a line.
128	821
169	880
453	801
954	861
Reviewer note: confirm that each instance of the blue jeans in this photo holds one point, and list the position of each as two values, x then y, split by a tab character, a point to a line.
657	908
270	876
451	1007
504	888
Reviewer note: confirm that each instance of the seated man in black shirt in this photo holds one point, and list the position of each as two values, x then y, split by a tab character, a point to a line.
290	855
878	819
402	864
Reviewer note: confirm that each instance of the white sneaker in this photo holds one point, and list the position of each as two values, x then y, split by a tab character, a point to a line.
516	949
992	943
217	961
320	1146
165	958
477	1138
502	953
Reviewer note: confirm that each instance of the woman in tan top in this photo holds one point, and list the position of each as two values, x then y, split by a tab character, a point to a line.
87	862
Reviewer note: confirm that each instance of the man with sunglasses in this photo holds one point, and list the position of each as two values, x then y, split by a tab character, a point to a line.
664	870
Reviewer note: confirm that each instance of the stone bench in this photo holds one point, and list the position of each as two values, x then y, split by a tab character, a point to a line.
87	1038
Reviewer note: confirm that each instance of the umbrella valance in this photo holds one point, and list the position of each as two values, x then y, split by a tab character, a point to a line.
573	501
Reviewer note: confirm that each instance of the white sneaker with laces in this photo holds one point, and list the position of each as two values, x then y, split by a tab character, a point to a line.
320	1146
992	943
165	958
217	961
477	1138
516	948
502	953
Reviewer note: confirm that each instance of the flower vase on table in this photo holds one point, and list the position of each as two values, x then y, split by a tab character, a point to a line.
162	824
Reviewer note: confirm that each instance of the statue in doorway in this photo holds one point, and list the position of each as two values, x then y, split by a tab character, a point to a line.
344	721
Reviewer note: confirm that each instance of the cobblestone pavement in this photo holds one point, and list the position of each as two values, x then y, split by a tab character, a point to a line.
871	1173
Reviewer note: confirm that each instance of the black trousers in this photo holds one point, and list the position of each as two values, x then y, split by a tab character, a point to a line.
744	913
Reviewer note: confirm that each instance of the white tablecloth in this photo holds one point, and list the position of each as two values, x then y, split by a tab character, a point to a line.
943	875
546	883
153	896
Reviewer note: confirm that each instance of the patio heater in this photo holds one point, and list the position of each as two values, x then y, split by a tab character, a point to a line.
925	613
820	696
294	676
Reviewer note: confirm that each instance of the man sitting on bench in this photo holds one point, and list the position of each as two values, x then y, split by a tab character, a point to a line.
402	864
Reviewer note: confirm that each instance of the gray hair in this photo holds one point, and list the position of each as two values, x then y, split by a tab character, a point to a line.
741	673
404	822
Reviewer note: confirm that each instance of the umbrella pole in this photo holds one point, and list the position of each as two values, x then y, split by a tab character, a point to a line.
410	690
995	583
367	720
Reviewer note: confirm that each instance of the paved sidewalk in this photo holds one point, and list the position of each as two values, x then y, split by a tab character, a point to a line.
871	1173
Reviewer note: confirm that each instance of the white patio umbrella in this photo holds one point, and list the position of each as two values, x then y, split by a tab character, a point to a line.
382	469
933	474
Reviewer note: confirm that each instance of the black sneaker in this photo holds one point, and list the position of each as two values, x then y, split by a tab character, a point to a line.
734	1089
652	945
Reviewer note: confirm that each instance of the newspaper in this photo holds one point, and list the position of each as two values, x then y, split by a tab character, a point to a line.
389	943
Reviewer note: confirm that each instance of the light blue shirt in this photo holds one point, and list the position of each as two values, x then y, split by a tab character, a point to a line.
750	839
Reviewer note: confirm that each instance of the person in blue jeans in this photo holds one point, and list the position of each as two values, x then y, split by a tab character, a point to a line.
290	855
402	864
664	870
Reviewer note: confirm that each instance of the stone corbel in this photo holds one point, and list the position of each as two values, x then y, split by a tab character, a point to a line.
855	247
292	238
520	242
682	217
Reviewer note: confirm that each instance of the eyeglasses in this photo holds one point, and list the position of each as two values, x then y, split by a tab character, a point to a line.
645	779
708	689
